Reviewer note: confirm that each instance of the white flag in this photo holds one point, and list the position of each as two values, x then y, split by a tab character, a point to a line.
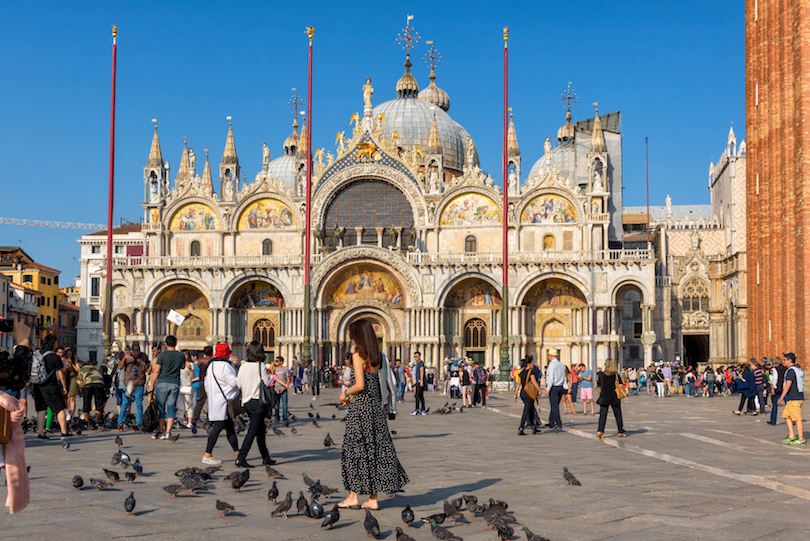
175	318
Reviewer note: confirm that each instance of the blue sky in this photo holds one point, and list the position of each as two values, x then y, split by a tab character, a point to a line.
674	69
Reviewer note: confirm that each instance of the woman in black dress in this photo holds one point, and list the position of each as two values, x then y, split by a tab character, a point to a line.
607	397
369	460
528	375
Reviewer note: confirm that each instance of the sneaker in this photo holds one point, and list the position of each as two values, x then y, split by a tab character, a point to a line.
213	461
120	428
136	428
156	436
423	412
42	437
798	442
789	439
415	412
164	436
313	399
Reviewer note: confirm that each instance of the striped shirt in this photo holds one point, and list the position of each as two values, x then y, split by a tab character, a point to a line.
758	376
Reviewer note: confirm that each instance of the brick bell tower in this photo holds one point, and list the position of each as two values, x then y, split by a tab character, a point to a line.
777	107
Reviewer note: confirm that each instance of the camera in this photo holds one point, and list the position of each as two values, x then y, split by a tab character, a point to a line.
6	325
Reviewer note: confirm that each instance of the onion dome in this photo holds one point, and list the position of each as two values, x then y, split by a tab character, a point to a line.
293	142
566	132
283	168
407	87
435	95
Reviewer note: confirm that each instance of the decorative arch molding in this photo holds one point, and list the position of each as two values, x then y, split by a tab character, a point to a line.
404	183
180	202
646	295
577	202
160	286
269	194
370	254
347	314
524	287
452	281
693	277
226	294
453	193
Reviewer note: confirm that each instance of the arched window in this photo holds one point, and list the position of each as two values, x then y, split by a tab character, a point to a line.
195	248
475	334
265	333
470	244
695	296
267	247
192	327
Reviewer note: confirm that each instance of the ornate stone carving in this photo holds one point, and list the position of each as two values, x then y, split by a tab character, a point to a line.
601	282
428	283
359	305
695	320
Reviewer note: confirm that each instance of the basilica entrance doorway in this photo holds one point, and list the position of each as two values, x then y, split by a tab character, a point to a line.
264	332
475	341
695	349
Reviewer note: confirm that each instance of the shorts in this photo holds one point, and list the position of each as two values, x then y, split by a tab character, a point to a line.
586	393
48	396
93	392
166	394
793	410
465	388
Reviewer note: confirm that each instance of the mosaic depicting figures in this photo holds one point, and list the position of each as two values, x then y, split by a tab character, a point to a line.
258	295
194	217
473	294
182	298
364	282
552	293
267	214
549	209
471	209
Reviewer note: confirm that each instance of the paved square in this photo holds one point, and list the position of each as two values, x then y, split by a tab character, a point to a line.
689	470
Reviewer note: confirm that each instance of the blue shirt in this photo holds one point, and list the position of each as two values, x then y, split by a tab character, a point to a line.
419	366
196	384
793	393
586	383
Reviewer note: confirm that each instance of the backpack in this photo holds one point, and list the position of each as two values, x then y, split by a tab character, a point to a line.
38	374
799	378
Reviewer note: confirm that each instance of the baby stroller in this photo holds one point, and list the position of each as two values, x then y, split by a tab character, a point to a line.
454	382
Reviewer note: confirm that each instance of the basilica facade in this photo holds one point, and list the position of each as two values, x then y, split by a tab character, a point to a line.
406	230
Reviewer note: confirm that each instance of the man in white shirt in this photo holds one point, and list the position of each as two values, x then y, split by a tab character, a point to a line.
555	378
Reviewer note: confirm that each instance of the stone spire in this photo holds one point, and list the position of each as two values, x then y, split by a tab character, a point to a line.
302	148
512	148
183	172
207	184
597	137
229	156
434	143
155	155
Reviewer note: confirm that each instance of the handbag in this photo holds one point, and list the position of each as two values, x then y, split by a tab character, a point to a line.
5	426
267	396
619	388
530	388
235	407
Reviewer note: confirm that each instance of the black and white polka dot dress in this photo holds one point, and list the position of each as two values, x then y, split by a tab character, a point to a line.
369	460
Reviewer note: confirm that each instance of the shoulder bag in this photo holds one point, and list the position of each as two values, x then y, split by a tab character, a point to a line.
267	395
235	408
5	426
529	387
620	394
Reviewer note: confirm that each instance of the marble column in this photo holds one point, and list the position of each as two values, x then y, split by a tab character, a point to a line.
379	231
359	232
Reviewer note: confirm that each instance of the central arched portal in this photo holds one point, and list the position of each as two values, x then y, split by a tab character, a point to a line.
556	318
470	310
254	313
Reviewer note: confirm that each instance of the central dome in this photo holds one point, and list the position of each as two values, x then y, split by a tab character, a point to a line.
412	119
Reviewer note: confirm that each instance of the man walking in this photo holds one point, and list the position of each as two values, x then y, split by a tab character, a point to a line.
136	367
315	379
480	376
202	397
280	385
555	379
166	382
50	385
419	388
575	381
793	397
399	372
777	385
760	389
666	371
586	388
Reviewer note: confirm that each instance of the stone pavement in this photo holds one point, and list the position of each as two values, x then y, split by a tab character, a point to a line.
689	470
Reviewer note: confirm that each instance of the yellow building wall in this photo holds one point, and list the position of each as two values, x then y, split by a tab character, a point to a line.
48	301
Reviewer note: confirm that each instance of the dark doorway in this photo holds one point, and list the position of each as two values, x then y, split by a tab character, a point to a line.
477	357
695	349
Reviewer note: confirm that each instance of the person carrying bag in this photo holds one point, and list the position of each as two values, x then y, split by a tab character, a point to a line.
221	386
257	399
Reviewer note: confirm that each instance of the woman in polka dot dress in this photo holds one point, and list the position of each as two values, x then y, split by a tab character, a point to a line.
369	460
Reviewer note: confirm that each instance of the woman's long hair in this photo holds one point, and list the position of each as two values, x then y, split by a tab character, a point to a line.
365	340
255	352
610	367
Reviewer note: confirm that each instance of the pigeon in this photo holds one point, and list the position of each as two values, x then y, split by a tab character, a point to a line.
315	424
66	445
393	432
283	507
330	518
532	536
308	480
402	536
302	504
333	416
499	502
240	480
277	432
233	475
315	508
118	441
317	487
474	508
500	510
130	476
442	533
328	491
78	482
272	472
100	483
492	518
328	441
173	437
129	503
312	408
457	503
504	531
137	466
111	475
407	516
294	431
272	494
437	518
224	507
174	490
318	416
570	478
116	458
293	418
125	460
371	525
451	510
286	423
310	414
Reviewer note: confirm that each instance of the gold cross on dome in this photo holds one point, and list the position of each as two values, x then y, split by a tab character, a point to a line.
296	103
408	37
432	57
567	97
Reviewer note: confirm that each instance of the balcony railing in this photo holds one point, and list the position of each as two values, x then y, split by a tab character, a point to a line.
95	300
602	217
239	261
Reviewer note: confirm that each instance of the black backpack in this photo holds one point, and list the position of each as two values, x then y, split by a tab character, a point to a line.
149	420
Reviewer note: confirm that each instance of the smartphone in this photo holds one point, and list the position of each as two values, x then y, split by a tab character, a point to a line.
6	325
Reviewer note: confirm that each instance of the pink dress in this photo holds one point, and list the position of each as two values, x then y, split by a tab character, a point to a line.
12	458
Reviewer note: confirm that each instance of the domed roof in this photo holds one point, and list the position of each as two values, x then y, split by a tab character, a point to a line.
283	169
566	131
561	158
435	95
293	142
412	119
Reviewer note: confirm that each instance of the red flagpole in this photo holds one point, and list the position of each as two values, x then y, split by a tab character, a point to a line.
505	364
108	288
306	348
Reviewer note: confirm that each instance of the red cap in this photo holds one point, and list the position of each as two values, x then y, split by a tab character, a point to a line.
222	351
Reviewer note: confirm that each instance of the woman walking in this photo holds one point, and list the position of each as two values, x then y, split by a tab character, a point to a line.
369	461
607	397
748	389
73	368
528	376
184	402
220	386
252	376
566	397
